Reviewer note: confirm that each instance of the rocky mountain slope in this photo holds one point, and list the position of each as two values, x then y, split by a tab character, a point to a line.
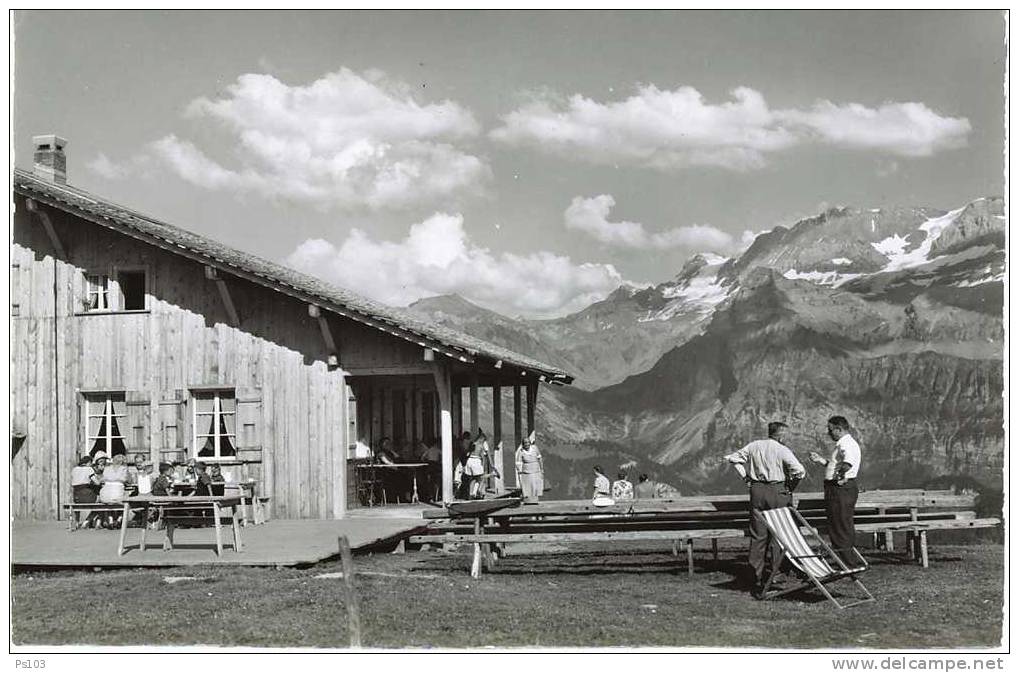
891	317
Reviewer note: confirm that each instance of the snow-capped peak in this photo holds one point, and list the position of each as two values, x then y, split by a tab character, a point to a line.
894	247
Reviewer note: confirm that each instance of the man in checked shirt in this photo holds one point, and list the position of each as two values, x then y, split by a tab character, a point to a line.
772	472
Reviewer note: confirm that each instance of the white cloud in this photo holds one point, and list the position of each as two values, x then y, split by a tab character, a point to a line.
591	216
437	257
901	129
343	141
669	130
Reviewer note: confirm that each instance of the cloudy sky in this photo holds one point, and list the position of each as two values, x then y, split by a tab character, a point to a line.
531	162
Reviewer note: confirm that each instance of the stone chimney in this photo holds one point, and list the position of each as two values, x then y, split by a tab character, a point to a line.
50	162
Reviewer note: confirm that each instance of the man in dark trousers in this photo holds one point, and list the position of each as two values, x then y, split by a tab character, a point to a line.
840	489
771	471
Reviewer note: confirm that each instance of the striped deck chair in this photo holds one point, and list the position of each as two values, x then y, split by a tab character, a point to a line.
787	525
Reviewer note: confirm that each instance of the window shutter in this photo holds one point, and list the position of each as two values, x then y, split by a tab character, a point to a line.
136	427
173	425
184	438
248	425
79	434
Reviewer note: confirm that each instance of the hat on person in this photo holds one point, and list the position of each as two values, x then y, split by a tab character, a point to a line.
99	455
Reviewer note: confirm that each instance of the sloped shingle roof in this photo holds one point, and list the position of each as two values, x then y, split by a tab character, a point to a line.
386	318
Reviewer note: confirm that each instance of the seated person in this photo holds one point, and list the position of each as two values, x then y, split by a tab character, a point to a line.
189	471
385	454
622	488
85	487
216	474
602	487
203	482
161	486
144	479
135	469
84	481
646	489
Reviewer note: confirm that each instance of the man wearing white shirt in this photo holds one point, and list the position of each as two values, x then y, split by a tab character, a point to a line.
771	471
840	489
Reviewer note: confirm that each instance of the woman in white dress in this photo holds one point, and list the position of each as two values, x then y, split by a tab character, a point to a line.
530	471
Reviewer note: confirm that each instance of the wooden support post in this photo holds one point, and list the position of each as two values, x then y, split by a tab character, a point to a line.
532	401
675	547
475	421
714	548
212	274
408	420
387	412
47	224
123	529
442	388
498	459
689	557
924	561
332	351
458	413
235	523
518	436
375	395
487	553
350	593
912	545
219	529
889	537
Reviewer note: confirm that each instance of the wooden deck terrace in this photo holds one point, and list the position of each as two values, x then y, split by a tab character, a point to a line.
277	543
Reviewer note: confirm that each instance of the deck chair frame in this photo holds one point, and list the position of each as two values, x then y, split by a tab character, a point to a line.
841	572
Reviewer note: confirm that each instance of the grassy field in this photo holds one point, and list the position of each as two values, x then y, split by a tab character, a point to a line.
586	597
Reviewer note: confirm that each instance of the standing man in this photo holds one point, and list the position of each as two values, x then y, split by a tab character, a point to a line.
772	472
840	489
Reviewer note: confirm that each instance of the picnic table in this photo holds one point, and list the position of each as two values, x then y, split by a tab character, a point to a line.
248	495
178	509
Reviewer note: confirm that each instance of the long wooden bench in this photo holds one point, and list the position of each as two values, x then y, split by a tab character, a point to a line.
73	510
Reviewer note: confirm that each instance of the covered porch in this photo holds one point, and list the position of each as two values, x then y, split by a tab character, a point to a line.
432	404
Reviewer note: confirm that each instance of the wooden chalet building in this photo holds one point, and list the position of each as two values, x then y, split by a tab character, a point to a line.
133	335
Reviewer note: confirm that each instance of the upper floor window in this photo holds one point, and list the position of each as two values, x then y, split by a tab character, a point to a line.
123	290
98	293
214	424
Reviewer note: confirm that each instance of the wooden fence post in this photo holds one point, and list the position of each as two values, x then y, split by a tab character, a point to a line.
353	616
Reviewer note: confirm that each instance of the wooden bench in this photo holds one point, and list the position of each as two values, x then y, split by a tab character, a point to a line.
485	552
75	509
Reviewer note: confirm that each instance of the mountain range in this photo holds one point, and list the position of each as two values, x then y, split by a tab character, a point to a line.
892	317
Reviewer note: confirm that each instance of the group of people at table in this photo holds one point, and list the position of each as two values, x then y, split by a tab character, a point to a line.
98	478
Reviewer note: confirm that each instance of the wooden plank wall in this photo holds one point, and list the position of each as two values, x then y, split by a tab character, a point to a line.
276	354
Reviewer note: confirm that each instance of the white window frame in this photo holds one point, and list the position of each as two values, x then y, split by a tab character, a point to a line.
198	438
104	295
94	408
